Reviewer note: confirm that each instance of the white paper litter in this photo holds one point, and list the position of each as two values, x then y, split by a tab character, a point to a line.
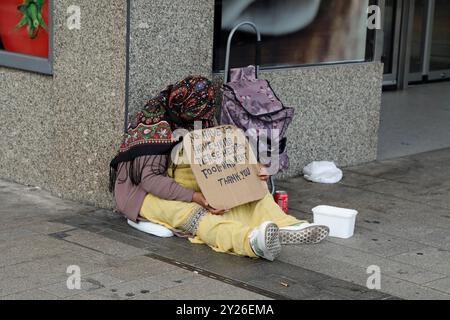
323	172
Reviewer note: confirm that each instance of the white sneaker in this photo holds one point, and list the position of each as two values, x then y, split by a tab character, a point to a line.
265	241
304	233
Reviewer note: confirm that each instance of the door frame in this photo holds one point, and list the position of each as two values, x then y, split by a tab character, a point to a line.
427	38
400	75
392	77
438	74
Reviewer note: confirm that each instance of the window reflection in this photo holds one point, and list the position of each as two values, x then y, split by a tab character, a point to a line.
295	32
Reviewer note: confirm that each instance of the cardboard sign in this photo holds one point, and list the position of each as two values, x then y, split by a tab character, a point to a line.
224	166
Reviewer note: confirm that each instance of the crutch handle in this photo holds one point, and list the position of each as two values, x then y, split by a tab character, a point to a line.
230	38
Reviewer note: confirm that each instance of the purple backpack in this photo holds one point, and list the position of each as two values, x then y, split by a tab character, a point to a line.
249	102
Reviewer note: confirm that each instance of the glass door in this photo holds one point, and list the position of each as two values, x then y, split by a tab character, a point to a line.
416	41
430	41
439	59
392	25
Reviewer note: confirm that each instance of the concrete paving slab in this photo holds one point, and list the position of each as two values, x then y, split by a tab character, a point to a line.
435	193
21	278
429	258
103	244
92	297
129	290
30	249
34	294
352	179
411	291
331	255
151	297
432	157
236	295
245	270
11	235
89	283
393	211
201	289
441	285
174	278
287	286
346	289
376	243
84	222
356	274
386	169
404	231
138	268
47	227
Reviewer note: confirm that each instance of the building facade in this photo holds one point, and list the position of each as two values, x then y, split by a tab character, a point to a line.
61	125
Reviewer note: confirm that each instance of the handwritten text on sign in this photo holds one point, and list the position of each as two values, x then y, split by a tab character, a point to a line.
225	166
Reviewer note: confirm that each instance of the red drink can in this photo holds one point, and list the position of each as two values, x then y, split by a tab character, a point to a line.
281	198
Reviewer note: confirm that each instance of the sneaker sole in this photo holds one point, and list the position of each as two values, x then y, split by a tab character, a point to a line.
309	235
273	243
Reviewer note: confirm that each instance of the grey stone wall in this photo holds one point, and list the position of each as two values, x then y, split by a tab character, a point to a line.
337	112
170	39
60	132
27	126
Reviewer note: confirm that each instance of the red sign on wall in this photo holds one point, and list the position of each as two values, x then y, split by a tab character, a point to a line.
24	27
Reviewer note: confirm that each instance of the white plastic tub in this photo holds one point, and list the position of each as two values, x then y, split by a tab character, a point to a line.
340	221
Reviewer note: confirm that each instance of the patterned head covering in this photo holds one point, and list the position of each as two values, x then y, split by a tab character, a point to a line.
190	100
150	131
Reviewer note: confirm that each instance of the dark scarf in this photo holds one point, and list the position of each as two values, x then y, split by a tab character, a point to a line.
150	131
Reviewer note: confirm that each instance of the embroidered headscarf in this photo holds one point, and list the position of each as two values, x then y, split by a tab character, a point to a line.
150	131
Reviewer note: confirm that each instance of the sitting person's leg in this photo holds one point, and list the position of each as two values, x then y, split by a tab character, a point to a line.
267	209
225	233
292	230
171	214
229	235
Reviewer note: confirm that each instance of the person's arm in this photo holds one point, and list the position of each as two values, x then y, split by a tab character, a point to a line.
263	173
155	181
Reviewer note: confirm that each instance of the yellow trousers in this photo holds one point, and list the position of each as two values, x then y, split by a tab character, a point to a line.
227	233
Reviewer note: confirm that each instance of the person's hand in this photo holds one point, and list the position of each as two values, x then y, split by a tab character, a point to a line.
263	174
199	199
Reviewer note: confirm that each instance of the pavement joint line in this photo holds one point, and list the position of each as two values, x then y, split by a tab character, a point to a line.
30	289
424	286
61	234
217	277
428	282
79	245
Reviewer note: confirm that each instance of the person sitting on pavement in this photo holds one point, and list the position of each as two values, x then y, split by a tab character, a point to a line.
147	185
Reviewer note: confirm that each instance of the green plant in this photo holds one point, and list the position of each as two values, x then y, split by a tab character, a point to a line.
32	17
